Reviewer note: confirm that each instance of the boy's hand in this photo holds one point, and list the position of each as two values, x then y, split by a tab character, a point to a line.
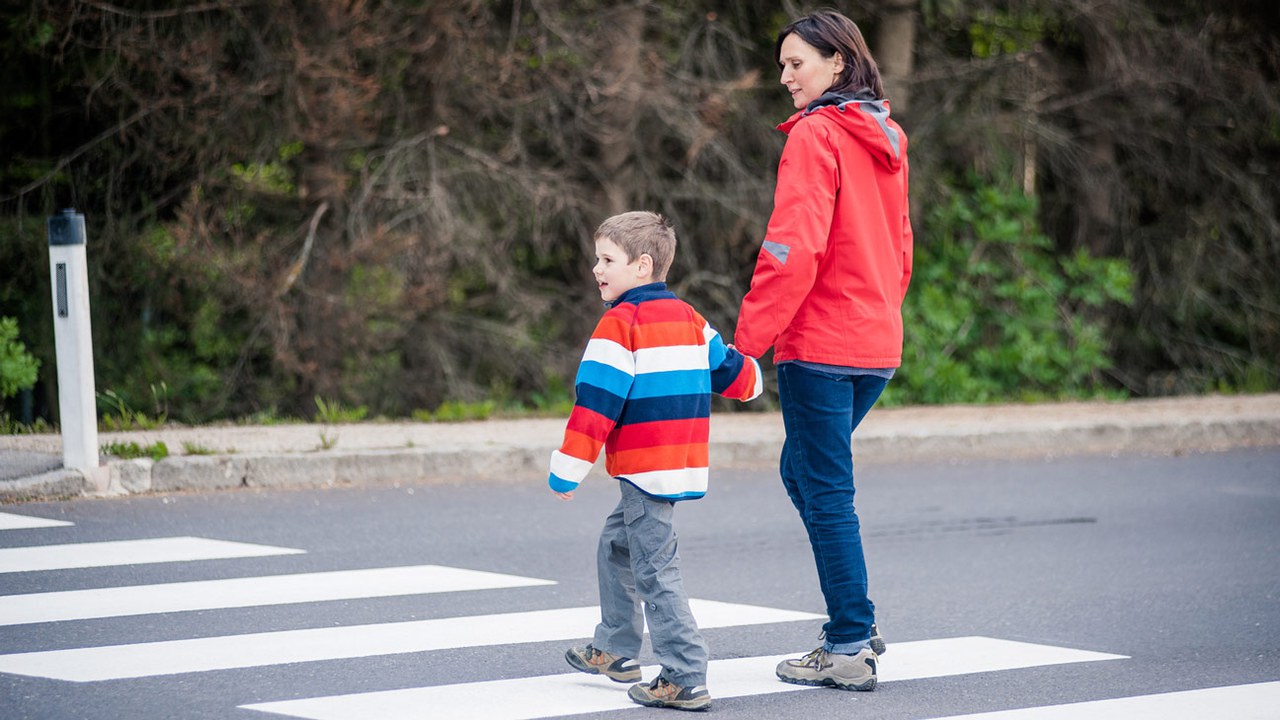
563	496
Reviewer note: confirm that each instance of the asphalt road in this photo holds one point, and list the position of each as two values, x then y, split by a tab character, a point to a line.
1171	562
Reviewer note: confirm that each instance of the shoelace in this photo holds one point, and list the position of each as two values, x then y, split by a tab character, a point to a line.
814	659
661	682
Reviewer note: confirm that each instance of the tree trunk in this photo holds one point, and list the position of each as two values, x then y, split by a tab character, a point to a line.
616	108
1097	177
894	49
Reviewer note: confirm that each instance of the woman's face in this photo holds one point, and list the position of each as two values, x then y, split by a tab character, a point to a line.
805	72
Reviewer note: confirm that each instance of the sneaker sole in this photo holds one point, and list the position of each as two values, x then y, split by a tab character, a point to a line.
581	666
865	686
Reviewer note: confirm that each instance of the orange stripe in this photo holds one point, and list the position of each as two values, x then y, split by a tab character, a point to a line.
666	457
613	327
661	334
583	447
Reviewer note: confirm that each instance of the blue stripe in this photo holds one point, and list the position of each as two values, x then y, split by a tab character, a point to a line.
559	484
728	371
670	407
601	401
672	382
605	377
716	350
686	495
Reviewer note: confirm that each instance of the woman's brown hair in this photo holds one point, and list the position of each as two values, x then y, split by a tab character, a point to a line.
829	33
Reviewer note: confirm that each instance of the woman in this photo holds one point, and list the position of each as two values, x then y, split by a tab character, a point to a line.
827	296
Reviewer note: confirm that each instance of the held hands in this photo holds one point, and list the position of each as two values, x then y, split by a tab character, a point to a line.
563	496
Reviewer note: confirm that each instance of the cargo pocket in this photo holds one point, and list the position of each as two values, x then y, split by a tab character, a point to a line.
633	509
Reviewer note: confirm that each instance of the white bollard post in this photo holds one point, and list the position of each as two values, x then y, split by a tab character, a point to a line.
77	401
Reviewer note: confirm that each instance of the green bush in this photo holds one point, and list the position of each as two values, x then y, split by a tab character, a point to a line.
333	412
457	411
131	450
18	368
994	315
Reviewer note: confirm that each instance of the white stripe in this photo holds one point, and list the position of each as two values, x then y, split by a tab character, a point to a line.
249	592
129	552
759	381
671	357
1239	702
9	521
553	695
671	482
608	352
709	333
569	467
240	651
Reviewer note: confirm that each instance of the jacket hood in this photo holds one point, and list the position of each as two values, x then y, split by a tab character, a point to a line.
865	117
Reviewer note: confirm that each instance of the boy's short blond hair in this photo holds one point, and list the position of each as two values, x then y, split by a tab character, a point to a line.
642	233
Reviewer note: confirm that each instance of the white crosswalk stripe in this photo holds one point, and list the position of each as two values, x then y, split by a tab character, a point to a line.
129	552
10	521
521	698
1259	701
250	592
117	662
544	697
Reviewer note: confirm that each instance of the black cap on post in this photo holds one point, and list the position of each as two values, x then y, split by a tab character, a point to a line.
66	228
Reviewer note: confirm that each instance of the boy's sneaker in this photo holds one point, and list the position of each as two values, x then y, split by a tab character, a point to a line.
877	642
598	662
662	694
847	672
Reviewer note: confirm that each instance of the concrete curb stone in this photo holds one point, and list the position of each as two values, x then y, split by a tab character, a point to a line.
52	485
517	450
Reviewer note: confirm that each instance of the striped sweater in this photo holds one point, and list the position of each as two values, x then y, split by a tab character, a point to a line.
644	395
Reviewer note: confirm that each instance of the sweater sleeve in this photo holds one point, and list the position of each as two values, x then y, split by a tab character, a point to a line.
603	383
733	374
795	240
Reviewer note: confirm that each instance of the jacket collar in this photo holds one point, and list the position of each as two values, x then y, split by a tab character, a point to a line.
637	295
841	99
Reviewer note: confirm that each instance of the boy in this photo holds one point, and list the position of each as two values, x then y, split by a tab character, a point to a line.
644	394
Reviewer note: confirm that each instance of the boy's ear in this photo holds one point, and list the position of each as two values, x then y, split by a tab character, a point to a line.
644	265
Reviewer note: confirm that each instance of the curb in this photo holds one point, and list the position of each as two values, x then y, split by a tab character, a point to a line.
745	446
53	485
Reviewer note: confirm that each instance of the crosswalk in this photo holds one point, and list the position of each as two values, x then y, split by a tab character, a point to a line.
118	662
572	693
519	698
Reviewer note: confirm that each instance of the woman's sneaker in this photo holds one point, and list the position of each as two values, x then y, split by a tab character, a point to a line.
662	694
847	672
598	662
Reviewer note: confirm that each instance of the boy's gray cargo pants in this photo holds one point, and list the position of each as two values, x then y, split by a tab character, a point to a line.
639	572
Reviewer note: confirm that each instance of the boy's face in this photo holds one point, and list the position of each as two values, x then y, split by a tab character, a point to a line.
614	274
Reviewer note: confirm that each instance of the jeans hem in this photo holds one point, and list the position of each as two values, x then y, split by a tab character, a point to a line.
850	648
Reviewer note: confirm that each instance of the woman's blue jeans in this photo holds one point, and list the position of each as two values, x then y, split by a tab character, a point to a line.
820	411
